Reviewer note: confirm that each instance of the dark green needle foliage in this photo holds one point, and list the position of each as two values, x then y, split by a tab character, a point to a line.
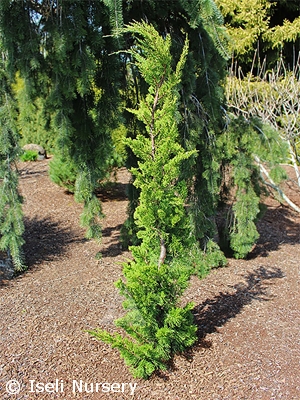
70	79
60	54
241	143
11	216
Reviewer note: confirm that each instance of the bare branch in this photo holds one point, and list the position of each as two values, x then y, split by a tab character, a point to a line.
273	97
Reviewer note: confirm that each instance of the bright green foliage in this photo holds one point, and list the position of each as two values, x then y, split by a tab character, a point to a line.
199	103
63	171
92	211
33	118
29	155
211	257
160	215
11	216
157	326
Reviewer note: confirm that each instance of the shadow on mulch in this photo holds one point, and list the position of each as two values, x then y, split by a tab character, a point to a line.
114	247
6	269
277	226
113	191
27	174
214	313
111	230
46	240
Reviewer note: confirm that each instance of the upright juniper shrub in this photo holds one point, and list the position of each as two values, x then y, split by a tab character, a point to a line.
154	281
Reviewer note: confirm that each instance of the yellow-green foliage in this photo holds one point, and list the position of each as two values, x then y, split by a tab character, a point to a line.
118	138
288	32
156	326
29	155
249	21
32	119
161	214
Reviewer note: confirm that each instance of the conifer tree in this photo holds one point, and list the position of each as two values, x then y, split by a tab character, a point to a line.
33	118
154	281
201	98
62	52
245	140
11	216
204	127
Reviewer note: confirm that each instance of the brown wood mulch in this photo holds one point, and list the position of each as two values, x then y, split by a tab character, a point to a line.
248	313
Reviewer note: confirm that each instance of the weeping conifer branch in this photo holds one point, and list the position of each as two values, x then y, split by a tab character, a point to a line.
11	215
206	13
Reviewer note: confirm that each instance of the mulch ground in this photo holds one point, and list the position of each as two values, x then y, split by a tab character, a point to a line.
248	313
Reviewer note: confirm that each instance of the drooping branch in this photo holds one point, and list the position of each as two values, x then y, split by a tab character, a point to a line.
272	184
